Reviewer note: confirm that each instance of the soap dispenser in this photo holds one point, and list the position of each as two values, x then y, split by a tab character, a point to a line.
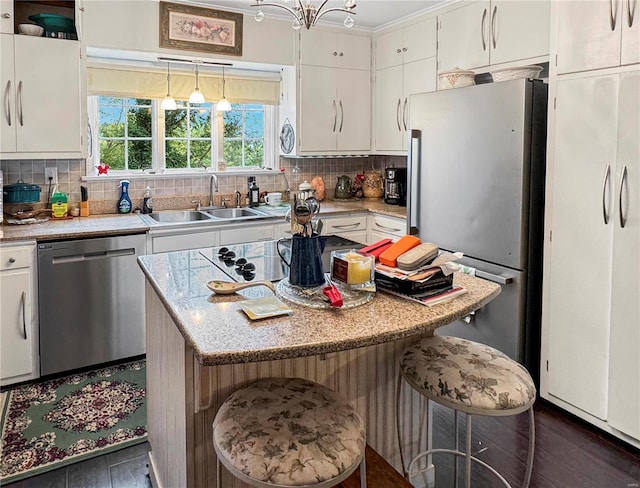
124	202
147	204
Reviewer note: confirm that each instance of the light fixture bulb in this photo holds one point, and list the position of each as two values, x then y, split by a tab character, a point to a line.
259	15
168	103
349	3
223	105
196	96
296	24
348	22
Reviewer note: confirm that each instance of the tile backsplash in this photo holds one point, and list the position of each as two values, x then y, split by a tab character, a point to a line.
179	191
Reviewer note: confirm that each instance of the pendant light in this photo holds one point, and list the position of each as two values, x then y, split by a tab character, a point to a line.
168	103
223	105
196	95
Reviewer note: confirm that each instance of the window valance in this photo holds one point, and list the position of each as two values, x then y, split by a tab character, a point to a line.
138	83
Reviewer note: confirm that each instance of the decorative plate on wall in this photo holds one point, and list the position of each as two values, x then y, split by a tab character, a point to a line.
287	137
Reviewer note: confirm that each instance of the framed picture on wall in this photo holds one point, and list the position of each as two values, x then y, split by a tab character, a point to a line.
200	29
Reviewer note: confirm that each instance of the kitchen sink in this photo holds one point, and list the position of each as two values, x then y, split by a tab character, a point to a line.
234	213
177	216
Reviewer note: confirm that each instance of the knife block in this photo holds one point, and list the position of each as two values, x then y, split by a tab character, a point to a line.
84	209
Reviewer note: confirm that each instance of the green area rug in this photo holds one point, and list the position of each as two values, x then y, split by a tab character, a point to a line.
58	422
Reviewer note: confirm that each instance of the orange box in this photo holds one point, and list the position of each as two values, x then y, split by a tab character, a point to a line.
390	256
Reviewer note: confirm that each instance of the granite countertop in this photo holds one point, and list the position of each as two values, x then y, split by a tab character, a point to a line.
113	224
219	332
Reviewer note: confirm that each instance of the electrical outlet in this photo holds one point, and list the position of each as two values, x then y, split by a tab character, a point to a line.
51	173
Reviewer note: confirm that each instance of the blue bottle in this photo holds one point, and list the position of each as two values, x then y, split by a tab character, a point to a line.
124	202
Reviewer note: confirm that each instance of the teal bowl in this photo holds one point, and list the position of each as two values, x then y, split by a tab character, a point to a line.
54	22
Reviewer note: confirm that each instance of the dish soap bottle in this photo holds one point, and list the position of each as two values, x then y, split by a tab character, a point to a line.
59	203
254	192
124	202
147	204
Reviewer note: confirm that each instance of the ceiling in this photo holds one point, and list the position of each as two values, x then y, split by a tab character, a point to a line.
369	14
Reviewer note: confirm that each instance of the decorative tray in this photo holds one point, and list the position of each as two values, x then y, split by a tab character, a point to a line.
313	297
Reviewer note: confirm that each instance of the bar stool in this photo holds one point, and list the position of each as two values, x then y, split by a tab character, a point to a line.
468	377
280	432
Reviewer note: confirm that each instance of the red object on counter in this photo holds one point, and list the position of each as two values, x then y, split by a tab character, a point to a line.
377	248
332	293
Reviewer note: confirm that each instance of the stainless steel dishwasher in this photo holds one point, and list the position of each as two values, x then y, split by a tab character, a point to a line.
91	302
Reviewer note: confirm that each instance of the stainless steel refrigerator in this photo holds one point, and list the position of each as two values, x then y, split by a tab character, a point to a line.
476	184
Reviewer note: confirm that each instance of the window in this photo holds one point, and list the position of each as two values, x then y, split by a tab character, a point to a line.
135	134
244	135
188	136
125	133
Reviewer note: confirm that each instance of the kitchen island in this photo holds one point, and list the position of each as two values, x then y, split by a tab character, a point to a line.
201	347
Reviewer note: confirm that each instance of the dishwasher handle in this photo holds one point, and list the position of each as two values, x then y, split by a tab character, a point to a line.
89	256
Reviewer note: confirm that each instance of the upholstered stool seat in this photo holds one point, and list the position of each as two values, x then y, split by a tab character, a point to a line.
472	378
289	432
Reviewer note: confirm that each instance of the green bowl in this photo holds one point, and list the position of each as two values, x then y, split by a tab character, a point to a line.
53	22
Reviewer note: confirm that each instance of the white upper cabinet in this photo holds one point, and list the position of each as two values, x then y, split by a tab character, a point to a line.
6	17
334	93
41	88
333	116
487	32
405	65
411	43
335	50
597	34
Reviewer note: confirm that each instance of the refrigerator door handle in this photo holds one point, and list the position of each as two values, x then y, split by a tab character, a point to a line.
501	280
413	161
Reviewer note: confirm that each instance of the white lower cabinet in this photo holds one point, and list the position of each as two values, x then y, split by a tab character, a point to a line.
591	335
18	326
384	227
352	227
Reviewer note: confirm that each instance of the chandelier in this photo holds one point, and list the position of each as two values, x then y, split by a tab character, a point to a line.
306	13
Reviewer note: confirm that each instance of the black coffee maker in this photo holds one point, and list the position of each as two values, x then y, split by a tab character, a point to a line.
395	186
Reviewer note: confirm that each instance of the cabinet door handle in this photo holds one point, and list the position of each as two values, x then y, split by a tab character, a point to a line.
612	17
335	53
6	16
384	227
347	226
404	114
341	116
630	12
607	174
23	303
398	115
623	219
482	24
493	26
19	98
335	116
398	50
7	97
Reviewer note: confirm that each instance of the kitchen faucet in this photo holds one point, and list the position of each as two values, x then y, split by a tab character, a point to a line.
238	197
213	180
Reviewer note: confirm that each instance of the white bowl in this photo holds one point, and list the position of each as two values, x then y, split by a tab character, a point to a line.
455	78
505	74
30	29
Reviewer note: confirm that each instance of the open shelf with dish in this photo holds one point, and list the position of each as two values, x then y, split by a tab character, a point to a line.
56	17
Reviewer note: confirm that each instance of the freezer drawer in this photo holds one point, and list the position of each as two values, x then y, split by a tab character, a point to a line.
91	302
500	324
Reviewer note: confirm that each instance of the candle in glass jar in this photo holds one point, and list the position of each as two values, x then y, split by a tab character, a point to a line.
352	267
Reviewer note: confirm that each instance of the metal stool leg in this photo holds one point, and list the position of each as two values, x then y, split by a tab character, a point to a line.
468	451
532	445
218	473
363	472
456	445
398	428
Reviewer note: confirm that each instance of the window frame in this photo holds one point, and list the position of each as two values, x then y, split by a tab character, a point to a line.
158	166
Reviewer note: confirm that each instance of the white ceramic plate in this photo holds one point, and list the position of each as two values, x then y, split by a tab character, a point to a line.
262	308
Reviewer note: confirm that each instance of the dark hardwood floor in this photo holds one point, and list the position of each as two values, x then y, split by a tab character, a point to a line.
569	454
